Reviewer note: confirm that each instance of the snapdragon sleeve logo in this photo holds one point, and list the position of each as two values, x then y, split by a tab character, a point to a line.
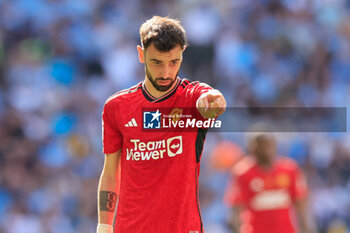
151	120
174	145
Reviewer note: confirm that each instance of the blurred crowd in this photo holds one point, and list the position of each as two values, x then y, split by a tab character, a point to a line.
61	59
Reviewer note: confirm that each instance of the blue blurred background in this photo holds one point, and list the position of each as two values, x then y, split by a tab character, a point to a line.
61	59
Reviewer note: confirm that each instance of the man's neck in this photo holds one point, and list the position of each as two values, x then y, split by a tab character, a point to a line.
154	92
265	166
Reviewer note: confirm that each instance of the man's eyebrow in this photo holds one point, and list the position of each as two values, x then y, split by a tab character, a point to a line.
156	60
153	59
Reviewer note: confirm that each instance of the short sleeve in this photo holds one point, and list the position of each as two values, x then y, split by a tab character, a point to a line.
299	185
199	89
111	136
233	193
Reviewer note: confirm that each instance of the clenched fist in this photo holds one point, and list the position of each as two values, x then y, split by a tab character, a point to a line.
211	104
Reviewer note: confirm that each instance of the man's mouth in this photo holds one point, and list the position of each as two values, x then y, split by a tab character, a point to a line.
164	82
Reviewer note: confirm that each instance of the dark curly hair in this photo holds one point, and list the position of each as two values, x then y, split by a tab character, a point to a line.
164	32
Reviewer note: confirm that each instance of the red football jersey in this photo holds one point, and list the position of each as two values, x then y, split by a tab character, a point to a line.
159	168
267	196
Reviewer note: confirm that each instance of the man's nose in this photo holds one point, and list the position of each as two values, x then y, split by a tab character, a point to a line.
166	72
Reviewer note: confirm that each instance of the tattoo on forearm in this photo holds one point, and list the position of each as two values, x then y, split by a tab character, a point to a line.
108	201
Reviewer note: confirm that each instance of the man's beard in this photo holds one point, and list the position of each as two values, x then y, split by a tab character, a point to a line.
154	81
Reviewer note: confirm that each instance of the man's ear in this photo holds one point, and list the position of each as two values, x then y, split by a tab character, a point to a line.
184	48
141	54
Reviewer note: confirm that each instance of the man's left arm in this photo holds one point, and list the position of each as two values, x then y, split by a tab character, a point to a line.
300	193
211	104
305	220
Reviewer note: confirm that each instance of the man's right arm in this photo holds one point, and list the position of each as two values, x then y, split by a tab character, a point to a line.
108	192
233	220
234	198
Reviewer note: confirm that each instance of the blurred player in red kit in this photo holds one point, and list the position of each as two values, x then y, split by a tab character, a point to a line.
267	193
149	182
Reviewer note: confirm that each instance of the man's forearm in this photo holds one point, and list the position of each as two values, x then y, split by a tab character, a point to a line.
305	220
108	191
107	200
234	220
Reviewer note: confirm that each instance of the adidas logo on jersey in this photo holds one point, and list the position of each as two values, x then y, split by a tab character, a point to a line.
131	123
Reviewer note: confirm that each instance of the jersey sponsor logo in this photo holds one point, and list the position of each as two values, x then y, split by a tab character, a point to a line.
174	146
131	123
151	120
271	200
154	150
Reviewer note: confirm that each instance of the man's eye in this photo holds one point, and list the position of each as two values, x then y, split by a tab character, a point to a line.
156	63
174	62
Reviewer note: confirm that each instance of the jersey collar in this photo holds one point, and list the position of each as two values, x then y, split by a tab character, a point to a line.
150	98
